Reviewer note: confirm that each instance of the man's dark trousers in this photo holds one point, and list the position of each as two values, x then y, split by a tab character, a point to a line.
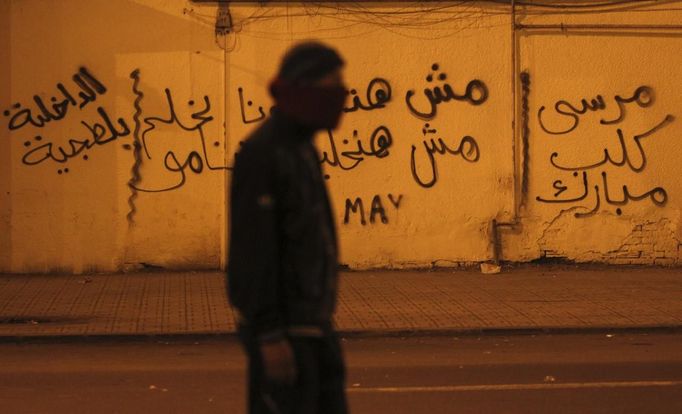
319	386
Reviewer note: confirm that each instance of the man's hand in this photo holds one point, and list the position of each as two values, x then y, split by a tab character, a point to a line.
278	361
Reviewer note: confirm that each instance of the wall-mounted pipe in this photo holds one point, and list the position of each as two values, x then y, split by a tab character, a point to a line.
518	196
565	27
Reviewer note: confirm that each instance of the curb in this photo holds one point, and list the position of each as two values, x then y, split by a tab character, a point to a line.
668	329
349	334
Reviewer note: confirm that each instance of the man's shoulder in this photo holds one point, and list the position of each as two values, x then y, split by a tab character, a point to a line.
262	140
258	143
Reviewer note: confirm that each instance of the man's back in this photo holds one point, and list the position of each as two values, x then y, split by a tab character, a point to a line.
283	241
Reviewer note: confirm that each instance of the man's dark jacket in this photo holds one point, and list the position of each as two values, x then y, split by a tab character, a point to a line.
283	250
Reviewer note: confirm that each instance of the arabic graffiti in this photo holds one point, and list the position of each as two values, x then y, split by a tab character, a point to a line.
657	195
635	162
380	141
475	93
89	88
249	103
340	151
196	161
348	153
524	77
135	176
642	96
377	208
106	129
377	94
467	149
102	132
626	154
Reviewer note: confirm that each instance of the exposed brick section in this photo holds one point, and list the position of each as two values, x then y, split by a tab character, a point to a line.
651	243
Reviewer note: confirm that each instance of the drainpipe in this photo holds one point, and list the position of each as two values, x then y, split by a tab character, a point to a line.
520	192
223	27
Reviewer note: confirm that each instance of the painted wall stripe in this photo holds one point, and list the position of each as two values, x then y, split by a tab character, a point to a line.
517	387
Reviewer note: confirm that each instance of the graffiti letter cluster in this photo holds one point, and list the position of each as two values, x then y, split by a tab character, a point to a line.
86	89
567	119
345	153
587	182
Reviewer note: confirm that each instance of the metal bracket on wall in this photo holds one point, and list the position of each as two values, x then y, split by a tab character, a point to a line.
223	22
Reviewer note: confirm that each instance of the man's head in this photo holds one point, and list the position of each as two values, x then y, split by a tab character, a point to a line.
309	85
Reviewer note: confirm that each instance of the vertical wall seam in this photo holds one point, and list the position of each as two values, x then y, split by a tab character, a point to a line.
226	144
514	52
226	172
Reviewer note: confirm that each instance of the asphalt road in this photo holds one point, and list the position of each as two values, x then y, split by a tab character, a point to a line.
597	373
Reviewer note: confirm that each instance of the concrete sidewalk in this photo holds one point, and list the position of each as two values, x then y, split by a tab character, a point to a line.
373	302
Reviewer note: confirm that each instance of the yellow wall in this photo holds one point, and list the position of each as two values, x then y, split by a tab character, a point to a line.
145	51
447	222
76	221
608	64
5	156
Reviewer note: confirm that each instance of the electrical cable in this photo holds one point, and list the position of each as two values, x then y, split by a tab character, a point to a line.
591	5
425	20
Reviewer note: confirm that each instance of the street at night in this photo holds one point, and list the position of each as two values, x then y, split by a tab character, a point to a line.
592	373
223	206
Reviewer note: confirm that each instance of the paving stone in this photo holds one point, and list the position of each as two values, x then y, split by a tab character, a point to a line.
375	301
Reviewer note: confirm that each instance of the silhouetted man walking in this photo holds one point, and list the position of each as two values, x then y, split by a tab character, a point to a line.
282	270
